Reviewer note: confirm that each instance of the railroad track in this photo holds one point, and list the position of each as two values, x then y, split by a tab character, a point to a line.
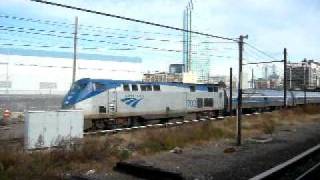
304	166
160	125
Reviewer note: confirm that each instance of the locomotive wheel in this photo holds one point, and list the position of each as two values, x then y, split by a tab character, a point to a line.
98	124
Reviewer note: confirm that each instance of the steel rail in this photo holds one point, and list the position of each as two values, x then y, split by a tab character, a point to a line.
280	169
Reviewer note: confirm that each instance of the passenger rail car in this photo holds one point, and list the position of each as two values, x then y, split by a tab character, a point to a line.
111	102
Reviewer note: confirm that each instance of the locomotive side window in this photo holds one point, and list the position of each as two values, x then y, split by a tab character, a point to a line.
99	86
156	87
134	87
210	89
126	87
102	109
215	89
145	87
199	102
192	89
149	87
208	102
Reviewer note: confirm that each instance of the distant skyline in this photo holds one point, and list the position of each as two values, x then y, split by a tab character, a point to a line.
270	24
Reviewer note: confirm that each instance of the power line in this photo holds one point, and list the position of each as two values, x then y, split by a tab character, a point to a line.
260	51
49	33
91	40
86	27
131	19
263	62
121	36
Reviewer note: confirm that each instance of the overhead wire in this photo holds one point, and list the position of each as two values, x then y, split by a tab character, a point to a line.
49	33
133	20
260	51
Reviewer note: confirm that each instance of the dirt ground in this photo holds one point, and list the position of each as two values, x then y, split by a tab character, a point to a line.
211	162
11	130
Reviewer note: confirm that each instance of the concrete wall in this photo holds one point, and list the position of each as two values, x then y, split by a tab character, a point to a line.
24	102
49	129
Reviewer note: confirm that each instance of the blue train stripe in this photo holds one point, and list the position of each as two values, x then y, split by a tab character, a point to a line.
135	103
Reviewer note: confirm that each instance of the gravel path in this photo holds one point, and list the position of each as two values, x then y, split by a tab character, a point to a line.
210	161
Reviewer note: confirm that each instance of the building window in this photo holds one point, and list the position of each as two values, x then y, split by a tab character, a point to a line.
146	87
215	89
156	87
126	87
134	87
192	89
199	102
210	89
208	102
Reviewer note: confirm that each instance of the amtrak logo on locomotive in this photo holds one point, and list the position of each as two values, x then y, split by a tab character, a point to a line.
132	100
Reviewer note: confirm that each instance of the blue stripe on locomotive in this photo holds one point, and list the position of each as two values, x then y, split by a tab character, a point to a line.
87	88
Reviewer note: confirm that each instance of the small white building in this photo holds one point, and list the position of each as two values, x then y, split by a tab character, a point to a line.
25	71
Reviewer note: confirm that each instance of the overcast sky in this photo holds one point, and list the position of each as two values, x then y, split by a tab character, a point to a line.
270	24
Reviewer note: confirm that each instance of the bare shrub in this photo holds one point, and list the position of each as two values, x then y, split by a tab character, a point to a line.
268	126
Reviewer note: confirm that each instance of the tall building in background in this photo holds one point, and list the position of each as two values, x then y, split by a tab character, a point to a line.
195	54
200	64
176	68
187	20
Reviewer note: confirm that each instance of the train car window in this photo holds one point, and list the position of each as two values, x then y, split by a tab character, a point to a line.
215	89
126	87
134	87
208	102
146	87
102	109
199	102
210	89
143	87
192	89
156	87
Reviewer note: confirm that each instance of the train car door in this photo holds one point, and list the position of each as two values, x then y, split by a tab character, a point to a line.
112	101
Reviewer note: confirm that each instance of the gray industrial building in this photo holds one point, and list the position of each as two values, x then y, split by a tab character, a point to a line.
303	75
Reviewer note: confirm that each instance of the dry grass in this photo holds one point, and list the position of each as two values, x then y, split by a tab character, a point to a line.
101	153
94	153
167	139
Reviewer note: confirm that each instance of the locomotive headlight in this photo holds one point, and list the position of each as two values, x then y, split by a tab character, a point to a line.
111	107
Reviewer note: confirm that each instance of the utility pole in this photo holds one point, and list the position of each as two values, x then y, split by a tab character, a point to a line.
75	39
230	93
239	107
304	83
285	77
252	79
7	79
290	67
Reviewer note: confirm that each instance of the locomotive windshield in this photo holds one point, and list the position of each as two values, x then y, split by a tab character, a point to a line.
81	90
